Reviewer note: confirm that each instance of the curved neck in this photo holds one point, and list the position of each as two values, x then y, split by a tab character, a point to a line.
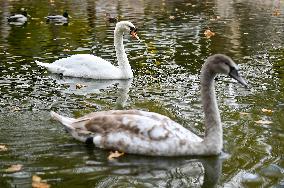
213	138
121	56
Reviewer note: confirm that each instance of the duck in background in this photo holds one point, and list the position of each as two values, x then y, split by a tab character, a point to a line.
58	18
18	18
110	18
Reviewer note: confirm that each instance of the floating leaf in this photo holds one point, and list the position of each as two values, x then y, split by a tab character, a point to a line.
3	148
37	182
263	122
79	86
15	109
14	168
215	18
36	178
266	110
276	12
244	113
115	154
208	34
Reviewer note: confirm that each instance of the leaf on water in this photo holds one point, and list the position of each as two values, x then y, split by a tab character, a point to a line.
266	110
38	183
36	178
215	18
115	154
158	63
3	148
208	34
172	17
14	168
15	109
79	86
276	12
263	122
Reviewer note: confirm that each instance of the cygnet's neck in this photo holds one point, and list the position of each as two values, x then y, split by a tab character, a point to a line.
213	138
121	56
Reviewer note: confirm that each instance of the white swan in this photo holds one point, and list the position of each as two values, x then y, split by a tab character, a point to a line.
90	66
148	133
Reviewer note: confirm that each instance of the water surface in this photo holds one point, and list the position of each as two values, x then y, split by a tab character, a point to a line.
166	66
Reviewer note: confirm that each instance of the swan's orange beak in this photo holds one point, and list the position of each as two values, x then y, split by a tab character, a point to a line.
134	35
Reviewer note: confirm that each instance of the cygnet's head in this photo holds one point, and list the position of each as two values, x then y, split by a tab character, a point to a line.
127	27
223	64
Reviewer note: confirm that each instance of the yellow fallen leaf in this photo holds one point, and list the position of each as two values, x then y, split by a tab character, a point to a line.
244	113
36	178
208	34
115	154
266	110
79	86
37	182
263	122
15	109
3	148
276	12
40	185
14	168
215	18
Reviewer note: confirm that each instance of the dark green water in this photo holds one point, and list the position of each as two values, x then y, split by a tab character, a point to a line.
166	68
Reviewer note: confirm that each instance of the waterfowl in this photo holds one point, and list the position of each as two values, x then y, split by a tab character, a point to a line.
90	66
18	18
149	133
58	18
110	18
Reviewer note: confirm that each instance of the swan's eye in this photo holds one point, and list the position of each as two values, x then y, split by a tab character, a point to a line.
133	29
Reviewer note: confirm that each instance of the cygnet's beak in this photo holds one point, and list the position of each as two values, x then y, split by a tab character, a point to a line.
235	74
133	33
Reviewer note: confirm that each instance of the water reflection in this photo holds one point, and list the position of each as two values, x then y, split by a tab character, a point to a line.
82	86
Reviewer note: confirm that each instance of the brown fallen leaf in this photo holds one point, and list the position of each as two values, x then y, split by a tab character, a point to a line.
15	109
36	178
115	154
14	168
3	148
215	18
37	182
40	185
79	86
266	110
263	122
276	12
208	34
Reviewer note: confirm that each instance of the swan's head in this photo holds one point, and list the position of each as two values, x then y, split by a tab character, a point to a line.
223	64
127	27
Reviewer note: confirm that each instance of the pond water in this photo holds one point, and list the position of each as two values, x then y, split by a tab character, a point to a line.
166	69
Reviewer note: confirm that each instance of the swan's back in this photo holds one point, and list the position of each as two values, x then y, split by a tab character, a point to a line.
83	65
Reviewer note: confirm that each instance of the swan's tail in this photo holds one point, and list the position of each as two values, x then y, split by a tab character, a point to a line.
78	134
42	64
66	121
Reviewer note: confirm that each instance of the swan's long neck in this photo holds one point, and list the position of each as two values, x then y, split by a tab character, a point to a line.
121	56
213	139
